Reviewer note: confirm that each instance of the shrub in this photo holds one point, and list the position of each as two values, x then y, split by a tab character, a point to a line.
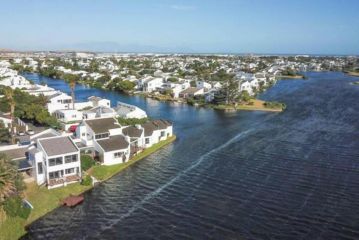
86	181
131	121
87	162
275	105
14	208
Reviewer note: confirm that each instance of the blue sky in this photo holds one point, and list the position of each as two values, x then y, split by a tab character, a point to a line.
236	26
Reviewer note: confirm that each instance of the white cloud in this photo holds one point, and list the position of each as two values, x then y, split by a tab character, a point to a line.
183	7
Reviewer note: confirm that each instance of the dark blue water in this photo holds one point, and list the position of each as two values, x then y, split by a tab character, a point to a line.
243	175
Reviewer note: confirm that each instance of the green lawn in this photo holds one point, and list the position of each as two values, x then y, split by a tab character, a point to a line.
45	200
105	172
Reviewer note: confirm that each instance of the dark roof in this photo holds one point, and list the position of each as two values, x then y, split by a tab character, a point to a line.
155	125
23	164
132	131
58	146
15	153
45	135
102	125
113	143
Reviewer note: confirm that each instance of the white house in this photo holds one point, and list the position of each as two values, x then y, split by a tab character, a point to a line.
191	92
56	161
245	86
89	131
105	136
203	84
68	115
59	101
125	110
156	131
97	101
112	150
152	84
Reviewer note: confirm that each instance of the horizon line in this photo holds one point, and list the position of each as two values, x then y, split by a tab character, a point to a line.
179	52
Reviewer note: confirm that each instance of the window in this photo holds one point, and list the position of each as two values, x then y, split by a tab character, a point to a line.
69	170
39	168
71	158
55	161
83	134
102	135
56	174
162	133
147	140
117	154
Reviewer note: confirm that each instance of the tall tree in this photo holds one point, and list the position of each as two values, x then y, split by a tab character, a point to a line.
9	94
230	89
72	84
72	79
10	179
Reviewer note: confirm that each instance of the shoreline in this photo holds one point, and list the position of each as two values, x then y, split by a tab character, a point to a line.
14	228
167	98
353	74
258	104
289	77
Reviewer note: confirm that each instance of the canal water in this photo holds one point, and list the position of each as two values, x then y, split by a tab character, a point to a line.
242	175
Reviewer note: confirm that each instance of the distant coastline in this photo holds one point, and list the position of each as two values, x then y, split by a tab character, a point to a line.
288	77
353	74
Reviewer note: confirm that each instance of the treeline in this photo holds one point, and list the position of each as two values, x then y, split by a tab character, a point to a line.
29	107
131	121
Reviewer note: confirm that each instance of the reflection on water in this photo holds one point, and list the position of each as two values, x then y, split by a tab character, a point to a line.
256	175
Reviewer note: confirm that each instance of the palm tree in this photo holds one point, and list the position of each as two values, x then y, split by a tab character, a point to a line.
72	84
9	94
8	178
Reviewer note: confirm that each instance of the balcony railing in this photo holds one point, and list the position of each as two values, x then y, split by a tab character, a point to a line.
63	180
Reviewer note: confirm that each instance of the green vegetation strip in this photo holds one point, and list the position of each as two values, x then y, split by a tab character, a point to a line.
45	200
105	172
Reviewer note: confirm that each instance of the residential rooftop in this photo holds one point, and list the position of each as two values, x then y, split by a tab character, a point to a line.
113	143
102	125
58	146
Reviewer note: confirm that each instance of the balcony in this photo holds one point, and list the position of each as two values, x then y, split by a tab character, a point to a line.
63	181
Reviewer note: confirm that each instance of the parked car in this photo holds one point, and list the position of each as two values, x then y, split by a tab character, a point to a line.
30	132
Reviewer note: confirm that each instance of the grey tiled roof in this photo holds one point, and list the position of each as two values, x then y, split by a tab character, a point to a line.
132	131
117	142
155	125
102	125
58	146
17	153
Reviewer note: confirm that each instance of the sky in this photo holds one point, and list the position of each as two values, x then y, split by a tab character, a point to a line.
184	26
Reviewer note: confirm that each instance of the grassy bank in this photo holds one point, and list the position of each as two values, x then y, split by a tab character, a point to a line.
45	200
254	105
